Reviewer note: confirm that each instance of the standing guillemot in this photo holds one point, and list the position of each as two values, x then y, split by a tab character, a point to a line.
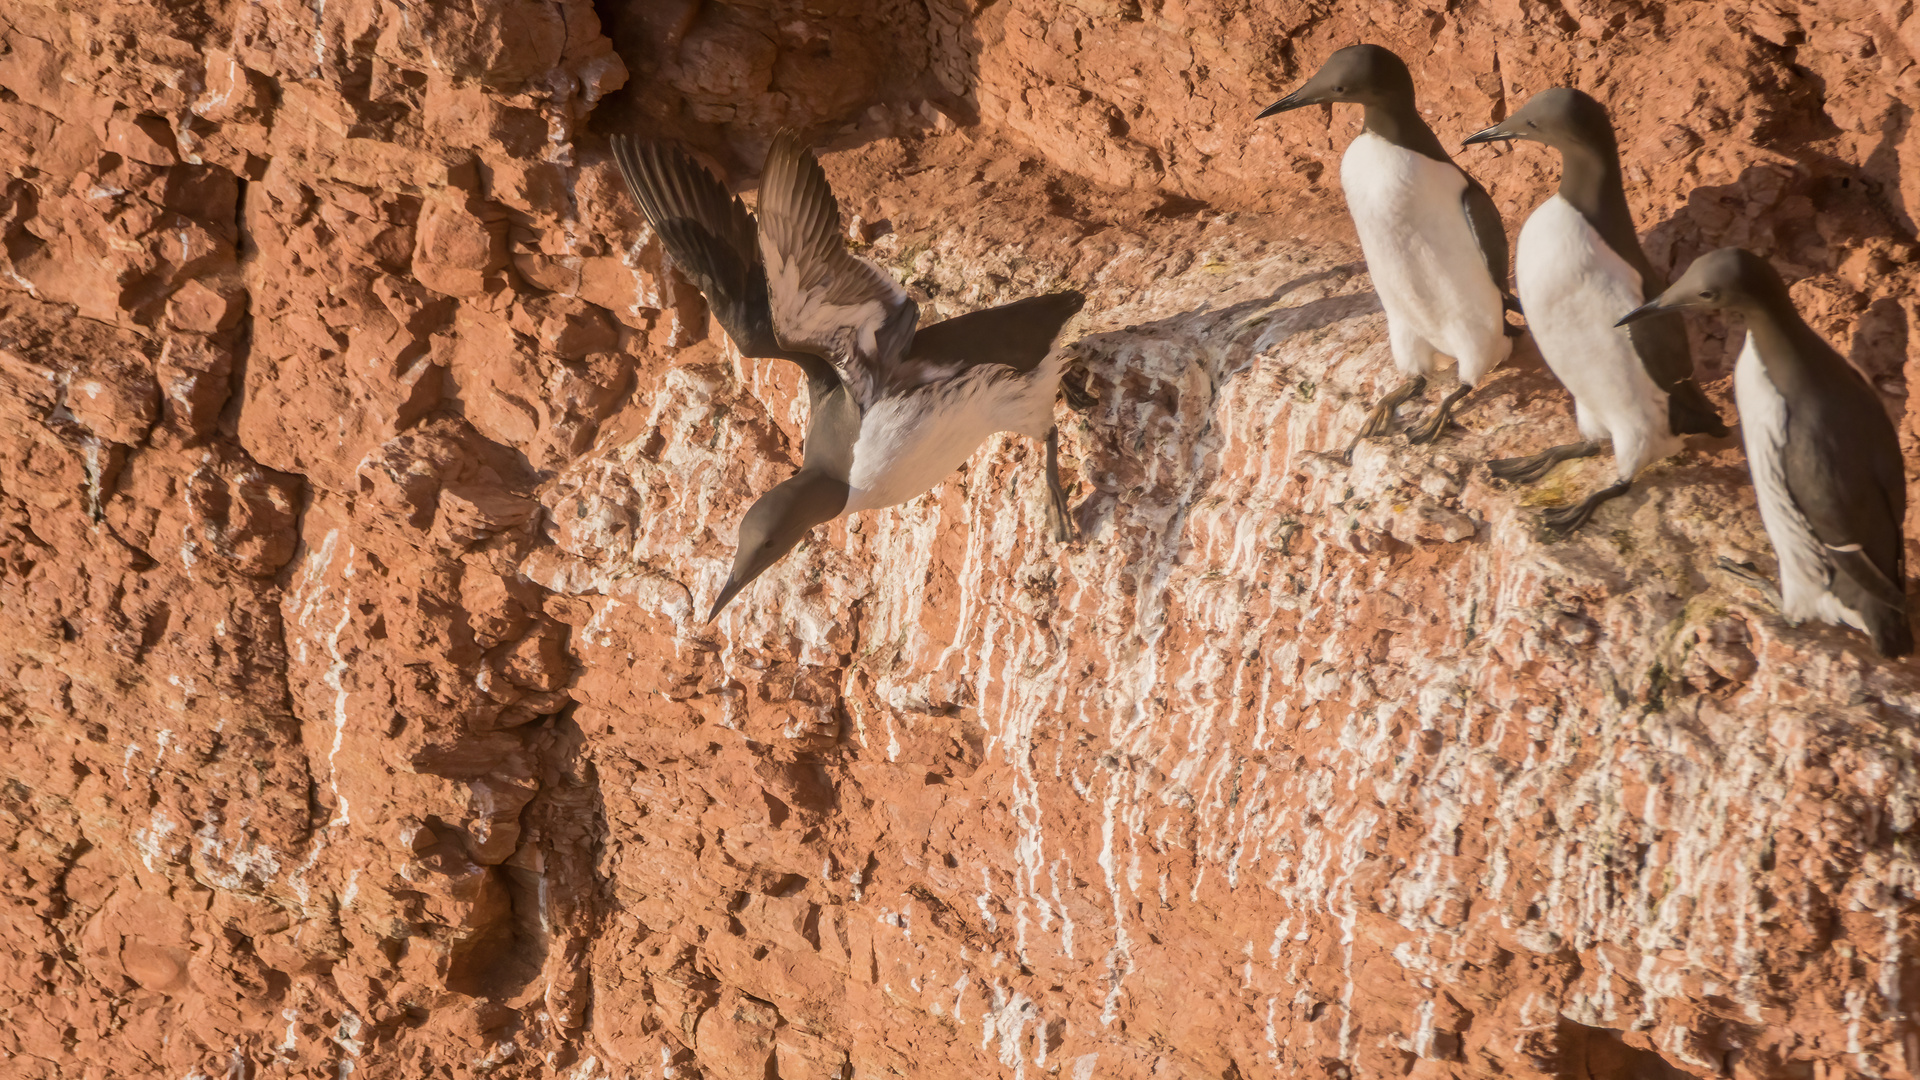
1430	233
1579	268
895	407
1825	459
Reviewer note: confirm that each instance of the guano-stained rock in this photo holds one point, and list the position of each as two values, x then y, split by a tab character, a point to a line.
367	468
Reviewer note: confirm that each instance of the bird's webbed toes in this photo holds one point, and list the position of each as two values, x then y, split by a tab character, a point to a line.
1522	470
1569	518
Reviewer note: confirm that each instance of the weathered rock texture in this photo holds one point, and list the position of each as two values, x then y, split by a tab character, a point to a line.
364	471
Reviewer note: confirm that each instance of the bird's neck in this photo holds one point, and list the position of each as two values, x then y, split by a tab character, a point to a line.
818	496
1590	180
833	427
1795	355
1399	123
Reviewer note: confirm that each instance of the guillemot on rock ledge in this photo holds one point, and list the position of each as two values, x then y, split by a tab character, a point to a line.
1432	238
1579	268
1825	458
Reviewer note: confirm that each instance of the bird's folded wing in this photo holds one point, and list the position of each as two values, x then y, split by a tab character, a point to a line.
1846	476
707	232
825	299
1661	343
1483	218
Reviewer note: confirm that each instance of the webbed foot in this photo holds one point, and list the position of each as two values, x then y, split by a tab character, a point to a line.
1380	420
1059	512
1431	430
1077	387
1525	470
1749	575
1568	518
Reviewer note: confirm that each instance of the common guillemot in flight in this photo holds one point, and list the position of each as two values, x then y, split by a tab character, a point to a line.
1432	238
1825	458
1579	268
895	407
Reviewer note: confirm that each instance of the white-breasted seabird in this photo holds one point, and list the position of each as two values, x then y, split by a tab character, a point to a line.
1430	233
1825	458
1579	267
895	406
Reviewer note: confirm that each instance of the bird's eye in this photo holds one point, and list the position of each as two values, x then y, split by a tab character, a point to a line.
1339	89
1533	125
1706	294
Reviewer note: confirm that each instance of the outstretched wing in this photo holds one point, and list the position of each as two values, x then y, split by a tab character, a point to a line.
825	299
1017	335
1483	218
713	239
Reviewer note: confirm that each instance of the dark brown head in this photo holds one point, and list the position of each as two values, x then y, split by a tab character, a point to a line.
776	522
1728	279
1360	74
1565	119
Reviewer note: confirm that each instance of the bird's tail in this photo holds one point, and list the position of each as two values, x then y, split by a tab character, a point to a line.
1690	413
1891	631
1876	595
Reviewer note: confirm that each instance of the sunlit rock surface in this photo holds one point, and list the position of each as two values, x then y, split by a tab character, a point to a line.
367	471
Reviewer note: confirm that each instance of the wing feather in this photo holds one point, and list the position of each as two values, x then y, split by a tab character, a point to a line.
714	240
1490	233
826	300
1017	336
1845	473
709	235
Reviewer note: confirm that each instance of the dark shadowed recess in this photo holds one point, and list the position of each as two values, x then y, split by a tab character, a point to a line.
725	77
1809	218
1590	1053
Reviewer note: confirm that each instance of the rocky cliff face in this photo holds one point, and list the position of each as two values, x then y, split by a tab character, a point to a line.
365	473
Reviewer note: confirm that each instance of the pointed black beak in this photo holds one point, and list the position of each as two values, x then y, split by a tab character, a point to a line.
1496	133
728	592
1292	101
1651	307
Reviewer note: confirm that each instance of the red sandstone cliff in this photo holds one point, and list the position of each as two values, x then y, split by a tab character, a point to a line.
362	476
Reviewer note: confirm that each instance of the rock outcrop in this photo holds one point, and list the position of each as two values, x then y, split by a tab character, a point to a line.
366	471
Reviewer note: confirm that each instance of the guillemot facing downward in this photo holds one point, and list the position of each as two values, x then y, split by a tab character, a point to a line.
1579	268
1825	459
895	406
1431	235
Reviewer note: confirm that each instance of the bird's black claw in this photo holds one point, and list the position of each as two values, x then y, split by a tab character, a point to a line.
1059	516
1521	470
1749	575
1525	470
1379	422
1429	431
1442	416
1059	510
1568	518
1080	398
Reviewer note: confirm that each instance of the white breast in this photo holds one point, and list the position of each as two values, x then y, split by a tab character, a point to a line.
1573	288
1431	276
910	442
1804	570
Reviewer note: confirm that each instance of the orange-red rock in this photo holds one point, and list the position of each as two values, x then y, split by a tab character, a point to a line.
366	472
